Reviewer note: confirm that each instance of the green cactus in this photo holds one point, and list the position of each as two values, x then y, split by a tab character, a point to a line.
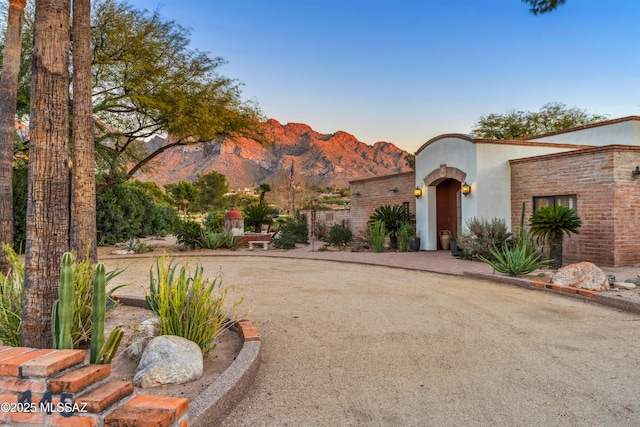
109	349
65	303
97	313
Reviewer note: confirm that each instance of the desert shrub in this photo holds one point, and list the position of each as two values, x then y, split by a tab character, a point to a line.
11	289
377	235
405	233
125	211
299	230
188	233
340	234
392	217
188	305
11	286
481	235
284	241
215	221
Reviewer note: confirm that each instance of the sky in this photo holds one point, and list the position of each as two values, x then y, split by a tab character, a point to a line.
405	71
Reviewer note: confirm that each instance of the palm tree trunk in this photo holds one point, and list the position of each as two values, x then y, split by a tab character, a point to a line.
83	180
555	253
48	185
8	91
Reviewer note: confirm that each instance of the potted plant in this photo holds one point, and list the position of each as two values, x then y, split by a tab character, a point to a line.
453	242
414	243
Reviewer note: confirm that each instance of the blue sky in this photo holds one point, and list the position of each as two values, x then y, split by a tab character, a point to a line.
405	71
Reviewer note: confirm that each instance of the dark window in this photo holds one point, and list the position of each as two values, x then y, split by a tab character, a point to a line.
569	201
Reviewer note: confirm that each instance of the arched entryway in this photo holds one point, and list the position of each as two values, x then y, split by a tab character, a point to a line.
448	209
445	205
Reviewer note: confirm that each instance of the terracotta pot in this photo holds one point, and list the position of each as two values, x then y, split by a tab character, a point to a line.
445	238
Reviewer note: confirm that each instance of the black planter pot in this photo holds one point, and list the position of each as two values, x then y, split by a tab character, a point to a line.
453	245
414	244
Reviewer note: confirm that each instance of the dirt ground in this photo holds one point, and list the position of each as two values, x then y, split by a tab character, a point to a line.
347	344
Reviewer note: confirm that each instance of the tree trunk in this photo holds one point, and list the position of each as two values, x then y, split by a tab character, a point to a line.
8	91
48	187
83	180
555	253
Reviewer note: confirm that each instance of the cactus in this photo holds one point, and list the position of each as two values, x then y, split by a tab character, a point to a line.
65	303
97	313
110	347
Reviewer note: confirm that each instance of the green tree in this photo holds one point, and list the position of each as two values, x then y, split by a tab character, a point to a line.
410	160
550	224
183	193
543	6
147	81
264	189
210	190
553	116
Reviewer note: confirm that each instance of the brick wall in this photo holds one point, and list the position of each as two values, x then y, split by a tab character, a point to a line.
325	218
368	194
607	199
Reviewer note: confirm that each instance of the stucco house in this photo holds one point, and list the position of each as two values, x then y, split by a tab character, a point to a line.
593	169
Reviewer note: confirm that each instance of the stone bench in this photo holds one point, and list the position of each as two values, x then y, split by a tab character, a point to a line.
264	244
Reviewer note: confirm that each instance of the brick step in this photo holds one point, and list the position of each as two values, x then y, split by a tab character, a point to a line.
30	362
105	395
77	380
149	411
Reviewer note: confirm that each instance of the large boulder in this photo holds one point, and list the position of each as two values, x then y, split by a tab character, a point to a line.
583	275
169	359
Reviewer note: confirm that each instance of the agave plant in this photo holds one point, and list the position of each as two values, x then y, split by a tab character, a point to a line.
550	224
393	218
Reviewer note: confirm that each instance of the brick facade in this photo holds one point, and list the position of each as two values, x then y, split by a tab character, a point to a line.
371	193
607	194
325	218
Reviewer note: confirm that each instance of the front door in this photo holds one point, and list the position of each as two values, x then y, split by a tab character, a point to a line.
447	207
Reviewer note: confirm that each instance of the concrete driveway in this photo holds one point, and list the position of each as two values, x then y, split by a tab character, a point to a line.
360	345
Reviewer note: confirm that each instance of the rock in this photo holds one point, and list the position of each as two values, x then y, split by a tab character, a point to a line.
624	285
634	280
121	252
168	359
583	275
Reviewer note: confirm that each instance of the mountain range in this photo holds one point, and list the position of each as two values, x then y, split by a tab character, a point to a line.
318	159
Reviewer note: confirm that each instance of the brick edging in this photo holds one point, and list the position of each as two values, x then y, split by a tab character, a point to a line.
568	291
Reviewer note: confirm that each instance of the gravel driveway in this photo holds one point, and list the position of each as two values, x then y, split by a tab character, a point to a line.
357	345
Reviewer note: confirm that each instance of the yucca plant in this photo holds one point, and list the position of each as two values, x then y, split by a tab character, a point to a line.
188	233
393	217
550	224
188	305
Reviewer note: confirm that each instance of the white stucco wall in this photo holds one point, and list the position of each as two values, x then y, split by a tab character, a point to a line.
454	152
488	173
622	133
492	189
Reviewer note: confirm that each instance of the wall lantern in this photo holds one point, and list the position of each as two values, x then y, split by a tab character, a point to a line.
636	171
466	189
417	192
